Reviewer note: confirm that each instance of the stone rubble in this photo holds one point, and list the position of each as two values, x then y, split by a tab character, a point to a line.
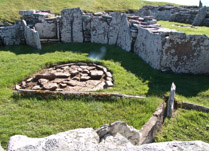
70	77
87	139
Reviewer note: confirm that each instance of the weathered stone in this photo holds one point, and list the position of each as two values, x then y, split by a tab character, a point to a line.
109	74
63	85
42	81
124	40
72	83
71	29
200	16
11	35
27	12
79	139
114	28
99	30
47	30
62	75
23	84
49	76
85	77
125	130
29	79
170	103
109	84
17	87
50	86
95	74
36	87
31	36
149	47
117	140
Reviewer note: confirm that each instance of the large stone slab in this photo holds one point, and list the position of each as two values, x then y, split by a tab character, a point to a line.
186	53
47	30
31	36
11	35
148	46
200	17
99	30
124	40
114	28
71	27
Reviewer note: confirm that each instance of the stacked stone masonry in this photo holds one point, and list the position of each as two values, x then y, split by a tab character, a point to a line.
163	49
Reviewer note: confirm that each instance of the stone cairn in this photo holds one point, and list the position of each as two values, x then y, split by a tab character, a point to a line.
70	77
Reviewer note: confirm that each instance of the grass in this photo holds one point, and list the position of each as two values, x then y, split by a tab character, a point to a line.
9	8
190	31
37	117
187	125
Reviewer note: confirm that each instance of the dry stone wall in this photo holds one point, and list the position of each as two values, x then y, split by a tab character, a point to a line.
183	14
163	49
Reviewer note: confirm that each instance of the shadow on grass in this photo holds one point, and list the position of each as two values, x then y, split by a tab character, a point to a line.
159	83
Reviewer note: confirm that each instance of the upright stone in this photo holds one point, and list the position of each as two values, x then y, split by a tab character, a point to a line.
114	28
99	30
31	36
170	103
71	25
200	16
124	37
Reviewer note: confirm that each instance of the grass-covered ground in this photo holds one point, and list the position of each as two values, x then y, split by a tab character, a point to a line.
186	125
36	117
197	30
9	8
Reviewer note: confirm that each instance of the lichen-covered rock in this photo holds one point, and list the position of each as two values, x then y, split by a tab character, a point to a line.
71	27
88	140
114	28
99	30
79	139
129	132
47	30
186	53
11	35
124	40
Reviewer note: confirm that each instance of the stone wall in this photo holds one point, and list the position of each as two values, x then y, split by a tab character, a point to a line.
31	36
169	50
11	35
162	49
182	14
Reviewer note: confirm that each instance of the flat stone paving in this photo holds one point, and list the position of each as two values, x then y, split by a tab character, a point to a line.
70	77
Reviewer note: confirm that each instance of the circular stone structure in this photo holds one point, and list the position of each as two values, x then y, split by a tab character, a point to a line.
70	77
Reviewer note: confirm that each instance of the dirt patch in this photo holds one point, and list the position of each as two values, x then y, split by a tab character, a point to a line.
70	77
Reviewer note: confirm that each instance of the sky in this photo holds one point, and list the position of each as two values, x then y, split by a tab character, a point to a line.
184	2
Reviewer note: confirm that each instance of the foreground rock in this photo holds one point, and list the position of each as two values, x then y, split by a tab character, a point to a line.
87	139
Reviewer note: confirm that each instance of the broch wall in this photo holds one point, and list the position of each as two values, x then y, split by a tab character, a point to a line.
163	49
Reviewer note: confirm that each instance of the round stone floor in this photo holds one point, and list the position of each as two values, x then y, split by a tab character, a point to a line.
70	77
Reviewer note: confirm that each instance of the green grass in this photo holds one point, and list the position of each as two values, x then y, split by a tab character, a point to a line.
36	117
190	31
187	125
9	8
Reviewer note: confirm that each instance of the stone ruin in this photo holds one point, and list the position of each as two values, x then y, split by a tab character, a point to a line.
73	77
138	32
